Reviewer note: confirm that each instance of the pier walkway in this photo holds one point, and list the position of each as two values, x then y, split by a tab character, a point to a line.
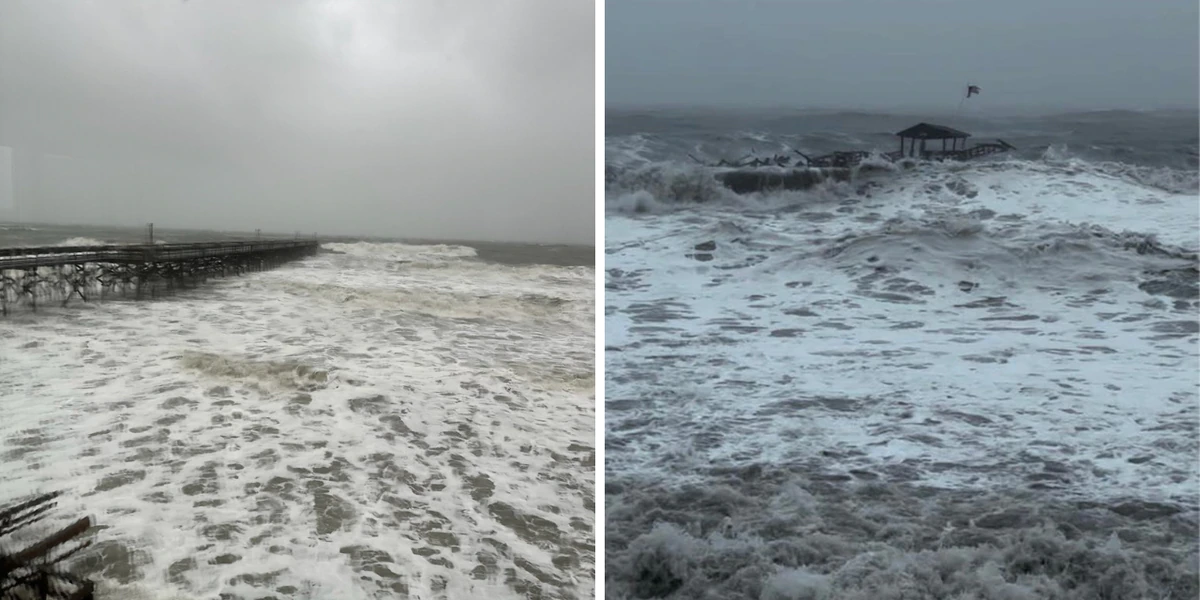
27	274
55	256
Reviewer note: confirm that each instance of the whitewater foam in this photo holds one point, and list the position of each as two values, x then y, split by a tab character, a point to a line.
900	385
346	426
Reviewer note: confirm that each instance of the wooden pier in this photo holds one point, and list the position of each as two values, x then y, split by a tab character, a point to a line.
62	272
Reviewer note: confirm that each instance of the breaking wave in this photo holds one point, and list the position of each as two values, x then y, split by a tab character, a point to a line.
81	241
659	187
396	252
433	303
961	246
1170	179
283	374
766	534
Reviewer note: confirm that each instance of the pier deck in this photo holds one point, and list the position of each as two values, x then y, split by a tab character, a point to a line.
55	256
30	273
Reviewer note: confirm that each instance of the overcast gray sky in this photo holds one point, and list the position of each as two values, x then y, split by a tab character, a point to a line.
909	53
468	119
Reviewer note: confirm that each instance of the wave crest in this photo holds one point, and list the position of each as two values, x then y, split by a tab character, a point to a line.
961	246
284	374
1168	179
656	187
397	252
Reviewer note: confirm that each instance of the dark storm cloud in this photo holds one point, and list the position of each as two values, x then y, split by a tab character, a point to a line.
469	119
918	53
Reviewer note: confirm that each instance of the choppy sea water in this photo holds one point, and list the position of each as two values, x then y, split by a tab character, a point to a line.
970	381
381	420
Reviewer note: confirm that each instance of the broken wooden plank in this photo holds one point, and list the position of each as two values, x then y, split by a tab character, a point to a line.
62	536
12	512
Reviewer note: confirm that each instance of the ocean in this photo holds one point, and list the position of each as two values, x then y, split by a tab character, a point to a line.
384	419
966	380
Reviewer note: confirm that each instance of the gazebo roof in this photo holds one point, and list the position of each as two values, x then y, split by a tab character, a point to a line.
926	131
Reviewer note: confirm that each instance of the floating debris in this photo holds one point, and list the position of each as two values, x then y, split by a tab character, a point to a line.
33	569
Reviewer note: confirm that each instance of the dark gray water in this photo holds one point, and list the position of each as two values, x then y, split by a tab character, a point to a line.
968	381
507	253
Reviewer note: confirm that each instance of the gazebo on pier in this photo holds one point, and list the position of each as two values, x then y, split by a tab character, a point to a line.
926	131
750	174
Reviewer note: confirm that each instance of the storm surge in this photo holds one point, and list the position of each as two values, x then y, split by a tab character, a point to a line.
968	380
381	420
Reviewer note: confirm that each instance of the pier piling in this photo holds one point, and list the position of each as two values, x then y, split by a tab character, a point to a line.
54	272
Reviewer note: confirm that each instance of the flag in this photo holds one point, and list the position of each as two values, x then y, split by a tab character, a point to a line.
972	90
